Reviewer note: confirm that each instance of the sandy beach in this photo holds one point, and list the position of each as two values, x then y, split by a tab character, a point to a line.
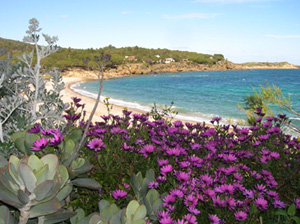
89	102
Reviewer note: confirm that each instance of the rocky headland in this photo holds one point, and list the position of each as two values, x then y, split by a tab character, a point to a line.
174	67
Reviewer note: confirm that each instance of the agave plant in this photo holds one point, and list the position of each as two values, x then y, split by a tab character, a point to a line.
36	187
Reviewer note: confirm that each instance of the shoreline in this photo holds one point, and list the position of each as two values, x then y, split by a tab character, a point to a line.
89	102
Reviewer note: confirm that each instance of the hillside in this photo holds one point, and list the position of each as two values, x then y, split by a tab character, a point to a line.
134	60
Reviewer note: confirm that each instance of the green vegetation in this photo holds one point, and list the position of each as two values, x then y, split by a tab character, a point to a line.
69	57
128	169
269	98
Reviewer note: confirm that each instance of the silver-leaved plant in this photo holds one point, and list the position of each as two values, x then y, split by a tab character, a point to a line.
24	98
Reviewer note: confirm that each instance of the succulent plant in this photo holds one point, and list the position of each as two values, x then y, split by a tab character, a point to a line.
150	198
5	216
140	184
36	187
134	213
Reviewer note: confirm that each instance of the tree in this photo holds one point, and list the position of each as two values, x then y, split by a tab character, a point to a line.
265	97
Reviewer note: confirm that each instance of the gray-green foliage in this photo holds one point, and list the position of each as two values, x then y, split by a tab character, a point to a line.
134	213
24	98
36	187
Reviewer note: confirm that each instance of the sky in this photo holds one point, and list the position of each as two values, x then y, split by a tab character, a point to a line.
241	30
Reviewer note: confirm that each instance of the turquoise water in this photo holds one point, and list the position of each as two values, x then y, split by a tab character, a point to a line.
197	96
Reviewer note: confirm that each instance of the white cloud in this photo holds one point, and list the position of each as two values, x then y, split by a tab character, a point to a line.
193	16
282	36
64	16
126	12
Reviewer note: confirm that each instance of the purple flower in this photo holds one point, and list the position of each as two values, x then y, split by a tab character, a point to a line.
261	204
182	176
240	216
177	193
166	220
119	194
147	149
57	138
263	137
153	184
191	218
217	119
127	186
48	131
166	169
278	204
180	221
297	203
214	219
161	179
96	144
194	211
190	201
168	199
38	145
75	99
178	124
248	194
35	129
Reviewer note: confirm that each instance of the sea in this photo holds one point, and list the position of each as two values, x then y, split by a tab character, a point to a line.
197	96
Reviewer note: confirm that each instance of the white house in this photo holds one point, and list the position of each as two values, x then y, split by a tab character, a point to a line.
169	60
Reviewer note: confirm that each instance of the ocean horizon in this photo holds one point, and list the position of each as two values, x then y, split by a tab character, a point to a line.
197	96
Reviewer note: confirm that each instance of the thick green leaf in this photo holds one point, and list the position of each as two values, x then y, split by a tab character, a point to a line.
8	196
5	216
42	175
292	210
141	221
27	176
46	208
81	166
8	182
23	197
87	183
131	208
58	217
103	204
96	219
35	163
116	219
114	208
64	192
52	161
64	174
75	135
20	145
106	213
17	135
140	213
78	217
55	189
30	138
43	189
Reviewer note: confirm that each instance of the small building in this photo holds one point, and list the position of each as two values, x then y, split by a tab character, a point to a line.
169	60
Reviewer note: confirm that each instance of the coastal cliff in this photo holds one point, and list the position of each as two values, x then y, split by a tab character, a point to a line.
143	69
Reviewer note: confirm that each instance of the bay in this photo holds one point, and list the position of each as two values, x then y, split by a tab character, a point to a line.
197	96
